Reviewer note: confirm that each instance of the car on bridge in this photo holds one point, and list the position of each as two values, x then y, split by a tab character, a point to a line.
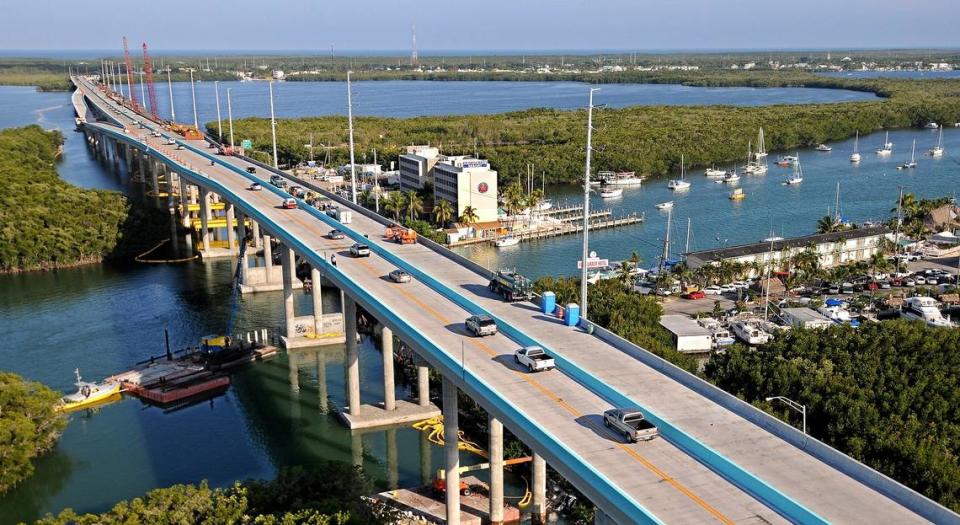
534	358
335	235
359	250
251	169
631	423
481	325
289	204
400	276
255	187
171	141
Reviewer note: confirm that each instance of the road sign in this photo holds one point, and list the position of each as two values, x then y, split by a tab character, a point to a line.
246	144
593	262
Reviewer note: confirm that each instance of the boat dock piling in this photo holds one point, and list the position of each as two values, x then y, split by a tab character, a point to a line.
575	227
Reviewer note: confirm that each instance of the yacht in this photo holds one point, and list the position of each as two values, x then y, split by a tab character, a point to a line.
823	147
714	173
611	193
750	333
623	178
887	146
937	151
737	195
664	205
679	184
787	161
755	168
932	125
836	312
504	242
797	176
731	177
925	309
88	394
720	335
913	159
855	157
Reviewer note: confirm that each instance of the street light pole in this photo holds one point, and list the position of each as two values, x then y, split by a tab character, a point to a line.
230	117
794	405
586	210
353	169
216	92
193	93
273	128
173	112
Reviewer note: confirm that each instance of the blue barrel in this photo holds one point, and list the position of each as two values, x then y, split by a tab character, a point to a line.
548	302
572	315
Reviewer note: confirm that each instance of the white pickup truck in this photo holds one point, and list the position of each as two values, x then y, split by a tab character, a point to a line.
534	358
481	325
631	423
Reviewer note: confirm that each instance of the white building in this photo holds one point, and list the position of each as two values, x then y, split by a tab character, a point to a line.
278	74
465	181
689	337
805	318
416	167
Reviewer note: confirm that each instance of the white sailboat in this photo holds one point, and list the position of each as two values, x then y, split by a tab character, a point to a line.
855	157
714	173
913	158
797	176
887	146
761	146
937	151
679	184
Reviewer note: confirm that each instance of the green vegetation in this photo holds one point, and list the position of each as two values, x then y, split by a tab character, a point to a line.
645	139
331	494
29	426
48	223
886	394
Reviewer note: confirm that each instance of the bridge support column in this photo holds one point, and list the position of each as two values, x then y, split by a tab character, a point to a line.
154	178
539	509
128	156
451	451
142	162
287	257
423	384
353	356
185	202
389	393
231	233
204	217
317	296
242	237
268	256
257	242
393	473
496	471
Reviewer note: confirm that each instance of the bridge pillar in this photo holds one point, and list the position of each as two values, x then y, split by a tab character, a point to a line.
204	217
242	236
142	165
184	202
128	156
496	471
317	296
257	242
389	392
393	472
539	509
423	384
231	233
353	355
154	178
451	451
268	256
287	257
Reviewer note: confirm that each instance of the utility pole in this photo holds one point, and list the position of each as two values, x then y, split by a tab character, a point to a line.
230	117
216	92
586	209
173	112
353	166
143	93
193	93
273	128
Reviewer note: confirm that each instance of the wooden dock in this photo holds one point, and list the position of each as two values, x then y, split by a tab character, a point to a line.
572	227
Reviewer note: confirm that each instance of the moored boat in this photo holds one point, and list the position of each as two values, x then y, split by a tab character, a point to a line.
823	147
611	193
937	151
88	394
737	194
855	156
504	242
664	205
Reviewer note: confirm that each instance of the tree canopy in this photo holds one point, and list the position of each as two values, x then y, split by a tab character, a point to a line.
29	426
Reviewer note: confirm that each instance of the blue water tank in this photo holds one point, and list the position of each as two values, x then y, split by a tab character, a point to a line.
548	302
572	314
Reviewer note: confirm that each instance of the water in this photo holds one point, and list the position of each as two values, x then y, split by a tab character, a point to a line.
413	98
868	192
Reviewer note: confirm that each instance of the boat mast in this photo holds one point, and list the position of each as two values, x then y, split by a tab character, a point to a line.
666	243
836	209
686	248
586	208
766	302
896	237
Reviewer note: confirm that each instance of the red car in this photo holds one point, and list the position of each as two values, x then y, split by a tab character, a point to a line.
694	295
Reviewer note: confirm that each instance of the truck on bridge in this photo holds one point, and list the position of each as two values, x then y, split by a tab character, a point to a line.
511	286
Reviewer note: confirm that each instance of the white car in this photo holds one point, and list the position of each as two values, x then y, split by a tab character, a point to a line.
255	187
712	290
360	250
728	288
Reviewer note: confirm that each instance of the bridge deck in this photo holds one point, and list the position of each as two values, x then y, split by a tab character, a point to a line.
672	485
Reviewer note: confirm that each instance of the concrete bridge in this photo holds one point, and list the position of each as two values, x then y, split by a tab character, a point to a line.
719	459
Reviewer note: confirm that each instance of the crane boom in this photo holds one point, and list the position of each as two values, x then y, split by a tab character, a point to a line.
151	90
129	64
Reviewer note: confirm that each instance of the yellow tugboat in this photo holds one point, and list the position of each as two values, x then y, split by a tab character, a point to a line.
88	394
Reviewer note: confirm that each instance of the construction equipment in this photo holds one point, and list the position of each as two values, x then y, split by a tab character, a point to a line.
151	90
129	64
228	151
401	235
188	132
511	286
440	480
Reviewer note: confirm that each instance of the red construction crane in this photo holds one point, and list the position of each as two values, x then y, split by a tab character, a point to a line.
151	91
129	64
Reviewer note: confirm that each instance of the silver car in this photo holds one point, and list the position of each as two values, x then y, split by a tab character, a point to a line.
400	276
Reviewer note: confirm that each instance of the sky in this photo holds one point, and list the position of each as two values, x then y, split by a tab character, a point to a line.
629	25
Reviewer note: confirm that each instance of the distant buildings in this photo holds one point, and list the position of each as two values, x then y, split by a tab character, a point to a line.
466	182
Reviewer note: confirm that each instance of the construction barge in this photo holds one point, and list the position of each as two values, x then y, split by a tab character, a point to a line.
195	372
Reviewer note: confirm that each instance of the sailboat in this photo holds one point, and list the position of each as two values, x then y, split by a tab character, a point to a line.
887	146
855	158
732	176
714	173
937	151
679	184
797	176
761	147
913	160
754	166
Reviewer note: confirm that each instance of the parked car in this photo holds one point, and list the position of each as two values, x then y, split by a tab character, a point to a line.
728	288
699	294
909	282
335	235
359	250
534	358
251	169
631	423
289	204
400	276
255	187
481	325
712	290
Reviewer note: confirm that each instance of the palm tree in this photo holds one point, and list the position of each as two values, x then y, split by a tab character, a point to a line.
394	204
469	215
443	212
635	259
828	224
879	262
512	198
414	205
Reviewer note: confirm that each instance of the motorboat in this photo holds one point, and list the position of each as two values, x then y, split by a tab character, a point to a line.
737	195
714	173
88	394
504	242
823	147
664	205
623	178
925	309
786	161
836	312
720	335
797	176
731	177
887	148
755	168
750	333
913	159
679	184
937	151
855	156
611	193
931	125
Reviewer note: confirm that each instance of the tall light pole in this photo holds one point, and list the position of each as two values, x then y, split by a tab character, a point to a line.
273	128
143	94
794	405
193	94
216	91
586	209
353	167
230	117
173	112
